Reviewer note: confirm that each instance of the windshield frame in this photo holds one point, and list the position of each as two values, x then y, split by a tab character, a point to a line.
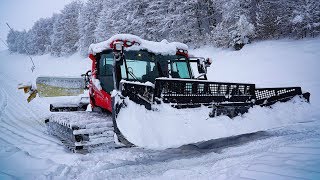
187	65
161	61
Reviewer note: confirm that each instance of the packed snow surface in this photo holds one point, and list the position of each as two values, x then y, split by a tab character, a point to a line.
27	151
163	47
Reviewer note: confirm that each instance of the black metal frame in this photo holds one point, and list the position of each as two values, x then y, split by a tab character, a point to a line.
139	93
269	96
229	99
202	92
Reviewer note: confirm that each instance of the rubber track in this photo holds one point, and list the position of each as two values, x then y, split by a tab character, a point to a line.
67	125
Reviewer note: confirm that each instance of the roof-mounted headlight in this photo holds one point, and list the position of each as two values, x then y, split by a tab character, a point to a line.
117	46
129	43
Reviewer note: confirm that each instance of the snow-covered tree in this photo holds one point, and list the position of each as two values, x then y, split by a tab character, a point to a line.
185	22
17	41
235	28
242	33
39	39
105	24
12	41
87	23
65	30
283	10
306	18
130	17
266	19
226	23
220	36
152	18
57	36
211	15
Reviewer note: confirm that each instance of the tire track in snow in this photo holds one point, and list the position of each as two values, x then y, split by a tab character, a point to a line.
20	123
7	175
25	134
11	132
6	130
22	129
3	101
12	122
26	128
22	117
17	98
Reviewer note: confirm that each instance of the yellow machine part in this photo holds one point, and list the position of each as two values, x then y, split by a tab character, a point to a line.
30	90
45	90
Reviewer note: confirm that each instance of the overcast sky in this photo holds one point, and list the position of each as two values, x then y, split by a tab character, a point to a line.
21	14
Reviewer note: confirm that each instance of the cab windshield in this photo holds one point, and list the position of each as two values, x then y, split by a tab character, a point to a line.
144	66
180	69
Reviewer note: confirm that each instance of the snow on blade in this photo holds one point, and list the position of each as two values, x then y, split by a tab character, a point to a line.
163	47
168	127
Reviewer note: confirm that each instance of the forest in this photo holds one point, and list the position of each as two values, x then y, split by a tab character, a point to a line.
221	23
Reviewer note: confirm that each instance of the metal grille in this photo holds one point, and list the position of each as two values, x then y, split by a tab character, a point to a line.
197	91
269	95
139	93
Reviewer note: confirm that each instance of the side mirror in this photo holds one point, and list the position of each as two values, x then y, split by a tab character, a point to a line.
208	62
201	66
87	77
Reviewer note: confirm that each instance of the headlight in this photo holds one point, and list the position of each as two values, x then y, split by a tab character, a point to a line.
129	43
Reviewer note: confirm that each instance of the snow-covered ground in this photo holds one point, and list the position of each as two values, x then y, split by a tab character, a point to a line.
293	152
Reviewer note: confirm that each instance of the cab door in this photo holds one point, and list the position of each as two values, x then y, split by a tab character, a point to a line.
103	85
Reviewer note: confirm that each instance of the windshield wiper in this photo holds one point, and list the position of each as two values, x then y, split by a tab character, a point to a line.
132	75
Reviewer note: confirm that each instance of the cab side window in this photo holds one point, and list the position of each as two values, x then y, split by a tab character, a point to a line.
105	71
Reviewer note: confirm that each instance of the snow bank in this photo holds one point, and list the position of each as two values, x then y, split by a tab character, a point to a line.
163	47
168	127
266	63
19	66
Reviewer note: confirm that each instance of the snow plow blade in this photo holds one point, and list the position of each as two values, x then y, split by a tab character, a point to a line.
231	99
228	99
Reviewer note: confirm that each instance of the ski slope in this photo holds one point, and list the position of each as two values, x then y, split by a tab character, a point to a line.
28	152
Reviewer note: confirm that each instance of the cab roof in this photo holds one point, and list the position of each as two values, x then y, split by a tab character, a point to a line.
164	47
